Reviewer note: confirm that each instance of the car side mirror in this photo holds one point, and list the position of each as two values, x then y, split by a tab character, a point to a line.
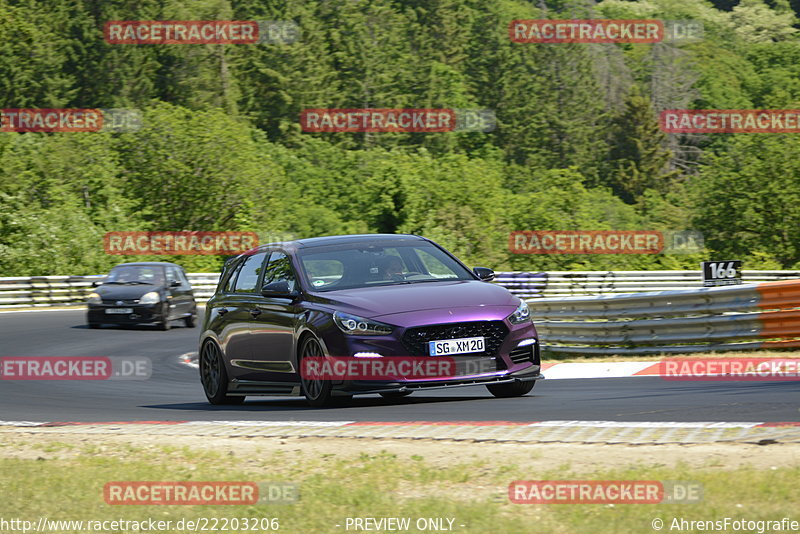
484	273
279	289
96	283
175	283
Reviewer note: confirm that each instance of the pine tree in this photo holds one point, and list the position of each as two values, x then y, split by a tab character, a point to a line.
637	158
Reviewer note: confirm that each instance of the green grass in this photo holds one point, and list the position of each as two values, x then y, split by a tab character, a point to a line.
374	485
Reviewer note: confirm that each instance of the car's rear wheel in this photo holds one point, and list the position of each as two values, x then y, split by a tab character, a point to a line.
190	320
511	389
395	394
316	391
214	377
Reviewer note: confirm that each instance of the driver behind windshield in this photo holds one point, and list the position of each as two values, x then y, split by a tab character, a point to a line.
392	268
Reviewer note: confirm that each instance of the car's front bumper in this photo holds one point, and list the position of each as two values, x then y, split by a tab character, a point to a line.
141	313
528	374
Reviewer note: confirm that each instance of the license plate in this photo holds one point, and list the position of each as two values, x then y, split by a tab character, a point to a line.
119	311
456	346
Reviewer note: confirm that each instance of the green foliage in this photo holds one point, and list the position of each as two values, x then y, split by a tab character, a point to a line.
577	143
748	199
637	160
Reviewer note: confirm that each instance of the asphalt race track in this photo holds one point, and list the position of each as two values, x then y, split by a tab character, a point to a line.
173	393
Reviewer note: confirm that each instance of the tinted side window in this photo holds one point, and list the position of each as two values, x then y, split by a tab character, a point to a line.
248	273
232	277
279	269
172	275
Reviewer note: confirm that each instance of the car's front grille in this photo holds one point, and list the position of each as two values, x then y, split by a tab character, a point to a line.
494	332
120	302
522	354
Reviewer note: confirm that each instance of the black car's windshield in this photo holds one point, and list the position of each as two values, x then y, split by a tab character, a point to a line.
349	266
136	274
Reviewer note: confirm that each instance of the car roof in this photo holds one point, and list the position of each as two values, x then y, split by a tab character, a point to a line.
340	239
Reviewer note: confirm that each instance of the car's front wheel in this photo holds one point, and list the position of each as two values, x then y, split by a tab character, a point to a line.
316	391
163	324
511	389
214	377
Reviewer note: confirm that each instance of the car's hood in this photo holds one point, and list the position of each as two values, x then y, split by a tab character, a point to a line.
374	302
125	291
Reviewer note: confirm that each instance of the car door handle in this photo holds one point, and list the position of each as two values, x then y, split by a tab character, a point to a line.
255	312
222	311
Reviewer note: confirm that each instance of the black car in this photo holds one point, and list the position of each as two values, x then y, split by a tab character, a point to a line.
283	311
140	293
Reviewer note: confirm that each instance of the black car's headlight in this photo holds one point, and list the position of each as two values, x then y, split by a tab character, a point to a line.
150	298
94	298
353	324
521	314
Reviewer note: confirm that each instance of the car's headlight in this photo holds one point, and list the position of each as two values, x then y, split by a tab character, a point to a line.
521	314
150	298
353	324
94	298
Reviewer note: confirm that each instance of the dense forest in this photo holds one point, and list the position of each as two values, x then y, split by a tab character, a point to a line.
577	144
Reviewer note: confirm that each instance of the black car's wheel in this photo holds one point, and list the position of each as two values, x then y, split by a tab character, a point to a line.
94	325
512	389
190	320
316	391
395	394
163	324
214	377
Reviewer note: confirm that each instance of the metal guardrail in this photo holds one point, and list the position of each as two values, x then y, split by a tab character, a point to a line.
47	291
762	315
73	290
566	283
624	315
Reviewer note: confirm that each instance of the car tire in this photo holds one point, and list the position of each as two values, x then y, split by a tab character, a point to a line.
214	377
512	389
190	320
317	392
94	325
395	394
163	324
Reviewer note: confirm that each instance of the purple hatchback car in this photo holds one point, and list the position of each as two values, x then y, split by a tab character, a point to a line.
330	317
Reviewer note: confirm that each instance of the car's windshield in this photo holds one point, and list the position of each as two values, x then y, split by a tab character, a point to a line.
136	274
356	265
